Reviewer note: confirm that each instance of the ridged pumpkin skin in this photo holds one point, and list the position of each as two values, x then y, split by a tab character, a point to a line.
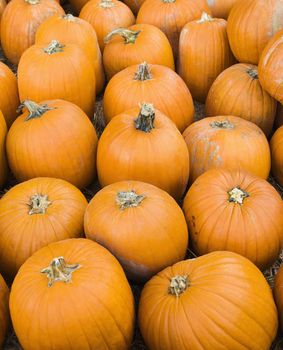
279	116
95	310
227	141
73	30
237	91
278	294
204	53
251	24
221	8
4	310
153	83
105	16
227	304
158	156
148	43
143	219
276	146
3	158
134	5
2	7
61	143
19	23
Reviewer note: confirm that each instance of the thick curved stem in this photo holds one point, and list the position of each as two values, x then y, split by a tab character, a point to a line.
145	120
54	47
223	124
178	285
35	110
143	72
237	195
38	204
130	36
129	199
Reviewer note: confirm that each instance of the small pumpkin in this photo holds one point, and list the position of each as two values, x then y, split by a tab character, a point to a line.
3	159
136	44
73	295
217	301
143	144
227	141
153	83
279	116
278	294
134	5
276	146
4	310
53	139
221	8
132	235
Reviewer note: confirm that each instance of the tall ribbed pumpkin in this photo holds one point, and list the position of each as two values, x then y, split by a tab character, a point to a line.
276	146
221	8
4	310
3	159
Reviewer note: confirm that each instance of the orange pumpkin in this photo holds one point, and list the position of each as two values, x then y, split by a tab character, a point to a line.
19	23
227	141
276	146
73	295
217	301
51	209
105	16
251	24
73	30
136	44
65	70
279	116
4	310
221	8
198	68
53	139
2	7
129	203
3	159
143	144
134	5
278	294
154	83
237	91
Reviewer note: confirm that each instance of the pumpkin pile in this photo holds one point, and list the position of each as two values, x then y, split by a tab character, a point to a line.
141	174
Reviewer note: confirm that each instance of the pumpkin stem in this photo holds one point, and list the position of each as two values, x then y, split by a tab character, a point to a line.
35	110
129	199
58	270
168	1
178	285
32	2
53	47
223	124
145	120
69	17
205	18
252	72
38	204
130	36
237	195
143	72
106	4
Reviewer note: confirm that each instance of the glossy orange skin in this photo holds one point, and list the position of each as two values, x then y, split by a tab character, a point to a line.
235	92
74	31
94	311
166	90
151	46
4	310
221	8
138	249
279	116
204	53
278	294
251	24
104	20
61	143
3	158
2	7
67	75
227	305
19	23
242	147
276	147
134	5
159	157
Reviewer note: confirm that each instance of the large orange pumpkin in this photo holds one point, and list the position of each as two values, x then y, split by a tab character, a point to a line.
143	144
53	139
279	116
73	30
72	294
204	53
134	45
221	8
4	310
3	159
54	71
217	301
227	141
278	294
143	219
153	83
276	146
19	23
251	24
237	91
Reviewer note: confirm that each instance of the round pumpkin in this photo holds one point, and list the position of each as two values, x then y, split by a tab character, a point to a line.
279	116
217	301
154	83
227	141
134	5
53	139
73	295
276	146
221	8
19	23
3	159
251	24
204	53
136	44
278	294
237	91
4	310
143	219
65	70
143	144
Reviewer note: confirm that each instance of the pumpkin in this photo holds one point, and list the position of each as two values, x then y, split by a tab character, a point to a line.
277	291
198	68
251	24
105	16
217	301
28	15
132	235
170	16
53	139
136	44
134	5
276	146
65	70
221	8
2	7
154	83
227	141
73	30
143	144
3	159
279	116
4	310
73	295
237	91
